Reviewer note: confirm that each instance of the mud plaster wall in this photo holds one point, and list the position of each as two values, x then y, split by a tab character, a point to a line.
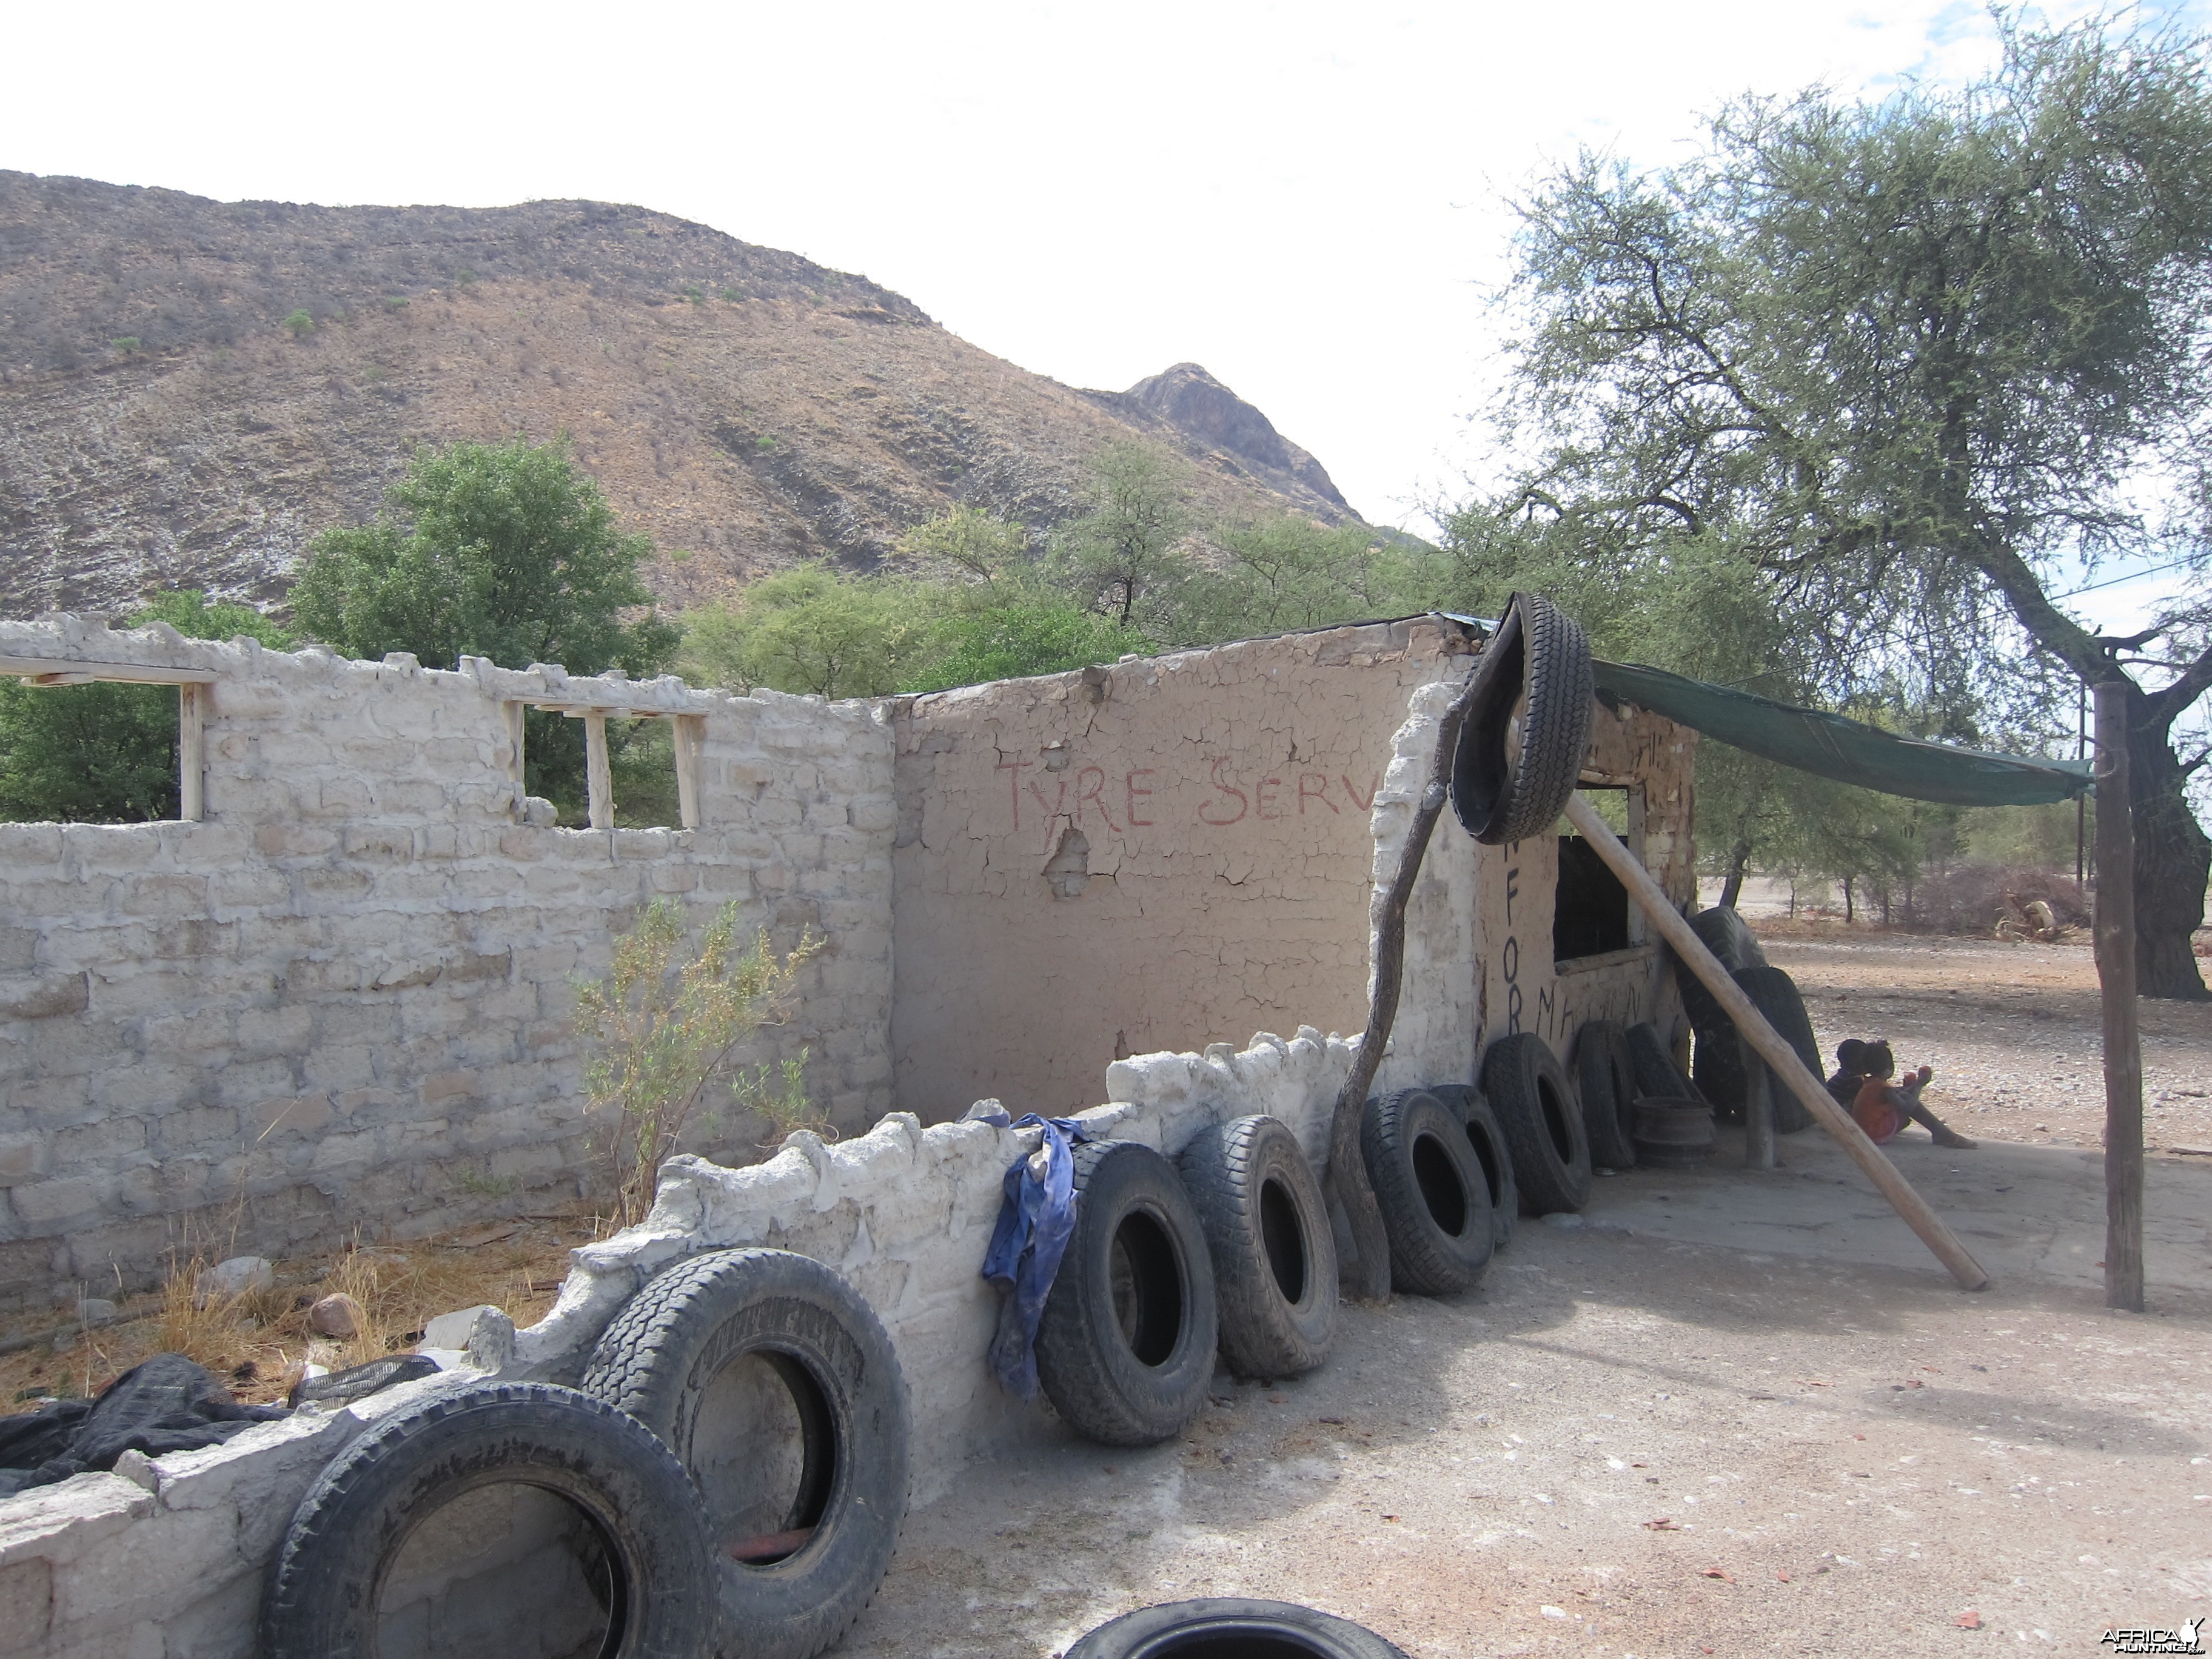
1163	854
342	1001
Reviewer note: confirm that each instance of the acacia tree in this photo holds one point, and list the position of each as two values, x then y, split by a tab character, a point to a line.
1123	556
1908	362
504	551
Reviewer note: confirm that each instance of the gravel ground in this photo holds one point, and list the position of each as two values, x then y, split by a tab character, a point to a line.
2011	1030
1629	1447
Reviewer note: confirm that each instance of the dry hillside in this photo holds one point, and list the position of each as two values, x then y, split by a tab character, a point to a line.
162	425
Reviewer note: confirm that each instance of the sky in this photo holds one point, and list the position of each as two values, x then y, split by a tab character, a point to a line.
1312	200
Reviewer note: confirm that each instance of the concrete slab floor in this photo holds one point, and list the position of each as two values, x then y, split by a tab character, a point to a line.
1731	1413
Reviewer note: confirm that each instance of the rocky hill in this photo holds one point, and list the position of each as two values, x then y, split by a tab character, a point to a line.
190	389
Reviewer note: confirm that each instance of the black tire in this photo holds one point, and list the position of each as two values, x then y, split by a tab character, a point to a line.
1605	1075
1542	670
1674	1134
1490	1152
1543	1124
1430	1185
1774	993
1726	1064
1267	1232
638	1559
784	1345
1724	932
1126	1345
1223	1627
1656	1073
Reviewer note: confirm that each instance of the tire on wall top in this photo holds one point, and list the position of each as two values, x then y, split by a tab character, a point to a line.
772	1380
1506	790
587	1518
1125	1346
1267	1231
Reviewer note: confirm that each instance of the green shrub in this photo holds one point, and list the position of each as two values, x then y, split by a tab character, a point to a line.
301	323
126	344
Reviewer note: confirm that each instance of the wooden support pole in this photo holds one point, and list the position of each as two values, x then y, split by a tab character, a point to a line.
1759	1119
191	752
513	712
1773	1048
598	778
2116	978
691	733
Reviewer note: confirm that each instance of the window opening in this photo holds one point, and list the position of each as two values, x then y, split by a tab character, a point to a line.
101	743
606	769
1590	911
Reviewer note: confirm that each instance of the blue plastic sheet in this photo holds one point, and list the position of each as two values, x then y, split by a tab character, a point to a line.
1035	1219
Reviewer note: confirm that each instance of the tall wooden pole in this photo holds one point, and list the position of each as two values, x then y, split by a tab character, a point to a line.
1773	1047
2116	975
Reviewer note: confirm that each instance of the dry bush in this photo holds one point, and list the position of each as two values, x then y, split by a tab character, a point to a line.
1969	898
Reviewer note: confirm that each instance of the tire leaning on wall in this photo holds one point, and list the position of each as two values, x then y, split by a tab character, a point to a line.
1543	1123
1488	1139
633	1515
774	1382
1267	1232
1727	1064
1604	1076
1434	1197
1125	1346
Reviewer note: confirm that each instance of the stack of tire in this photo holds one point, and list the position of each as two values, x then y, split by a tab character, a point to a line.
728	1480
1725	1066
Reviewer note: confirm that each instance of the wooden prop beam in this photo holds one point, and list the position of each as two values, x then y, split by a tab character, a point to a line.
2116	981
1773	1048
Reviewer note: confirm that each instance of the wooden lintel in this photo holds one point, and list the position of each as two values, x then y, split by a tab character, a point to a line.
54	670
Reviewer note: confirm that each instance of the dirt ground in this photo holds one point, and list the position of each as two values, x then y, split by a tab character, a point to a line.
2011	1030
1802	1440
1634	1449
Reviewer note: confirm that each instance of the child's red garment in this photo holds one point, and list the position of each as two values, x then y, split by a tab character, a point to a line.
1876	1111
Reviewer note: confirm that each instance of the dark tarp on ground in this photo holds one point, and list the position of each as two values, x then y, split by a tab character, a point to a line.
1845	749
169	1404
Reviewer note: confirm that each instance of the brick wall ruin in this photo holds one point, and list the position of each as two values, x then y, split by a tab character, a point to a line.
341	999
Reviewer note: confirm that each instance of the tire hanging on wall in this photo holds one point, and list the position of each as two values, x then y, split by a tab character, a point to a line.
1726	1064
1267	1232
1543	1123
1512	780
1605	1075
1434	1196
1488	1139
1232	1628
635	1514
797	1559
1127	1343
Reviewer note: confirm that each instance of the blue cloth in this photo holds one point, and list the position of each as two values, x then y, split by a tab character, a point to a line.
1035	1219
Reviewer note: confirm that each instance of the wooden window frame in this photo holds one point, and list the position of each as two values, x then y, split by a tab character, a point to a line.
195	694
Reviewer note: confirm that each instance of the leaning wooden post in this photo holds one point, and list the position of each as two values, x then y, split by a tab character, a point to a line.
1773	1048
1370	1277
2116	978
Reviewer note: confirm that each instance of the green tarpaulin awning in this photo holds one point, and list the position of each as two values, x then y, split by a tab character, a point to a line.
1846	751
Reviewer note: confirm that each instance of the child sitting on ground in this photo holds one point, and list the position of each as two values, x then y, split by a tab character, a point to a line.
1861	1086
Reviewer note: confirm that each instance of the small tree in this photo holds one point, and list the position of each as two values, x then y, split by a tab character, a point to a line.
507	551
667	1028
1123	557
811	629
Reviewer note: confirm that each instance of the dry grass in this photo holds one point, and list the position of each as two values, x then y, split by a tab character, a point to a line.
259	1340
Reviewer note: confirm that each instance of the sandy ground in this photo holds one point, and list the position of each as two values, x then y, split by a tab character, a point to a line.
1730	1413
2011	1030
1846	1461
